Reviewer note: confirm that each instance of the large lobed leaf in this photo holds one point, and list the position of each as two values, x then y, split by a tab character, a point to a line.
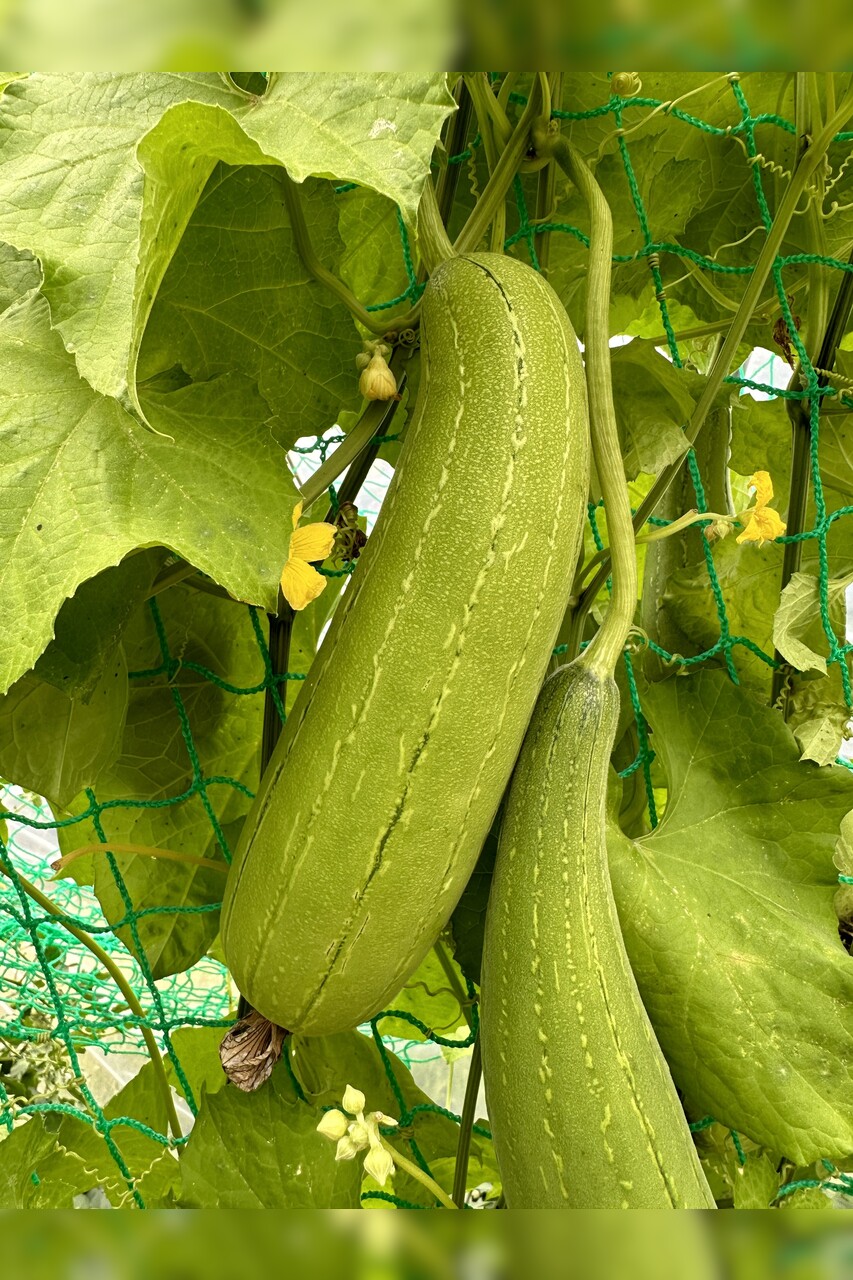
85	483
727	912
100	171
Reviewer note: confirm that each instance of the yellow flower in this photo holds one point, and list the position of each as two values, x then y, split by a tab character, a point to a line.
763	524
300	582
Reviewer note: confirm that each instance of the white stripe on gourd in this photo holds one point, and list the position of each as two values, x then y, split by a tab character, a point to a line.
583	1110
384	783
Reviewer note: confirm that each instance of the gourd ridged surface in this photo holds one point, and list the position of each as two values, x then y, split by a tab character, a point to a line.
583	1110
388	773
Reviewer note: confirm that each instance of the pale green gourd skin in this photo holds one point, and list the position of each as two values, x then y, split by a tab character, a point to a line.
391	766
583	1110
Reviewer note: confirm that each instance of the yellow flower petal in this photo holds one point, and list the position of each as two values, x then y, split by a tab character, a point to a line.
300	584
312	541
764	525
763	486
297	513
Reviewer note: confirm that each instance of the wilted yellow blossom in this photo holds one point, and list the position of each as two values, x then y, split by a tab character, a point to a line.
763	524
300	582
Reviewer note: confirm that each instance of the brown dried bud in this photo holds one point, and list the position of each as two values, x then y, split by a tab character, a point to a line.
250	1051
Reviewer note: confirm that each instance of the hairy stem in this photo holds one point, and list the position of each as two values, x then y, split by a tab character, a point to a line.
547	188
140	850
434	241
414	1172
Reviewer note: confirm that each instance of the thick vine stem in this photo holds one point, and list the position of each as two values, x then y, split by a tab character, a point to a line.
434	241
802	175
606	647
466	1124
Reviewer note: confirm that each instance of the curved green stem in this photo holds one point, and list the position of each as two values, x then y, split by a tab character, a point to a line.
802	175
546	189
322	274
494	192
605	649
105	959
139	850
368	426
466	1124
414	1172
495	128
434	241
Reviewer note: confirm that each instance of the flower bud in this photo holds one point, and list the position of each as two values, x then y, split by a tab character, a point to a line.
353	1100
333	1125
377	382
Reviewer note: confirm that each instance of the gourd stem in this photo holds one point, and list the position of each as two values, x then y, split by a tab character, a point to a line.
466	1122
604	650
435	243
322	274
414	1172
802	175
106	960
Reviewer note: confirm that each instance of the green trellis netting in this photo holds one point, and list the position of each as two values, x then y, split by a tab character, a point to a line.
58	955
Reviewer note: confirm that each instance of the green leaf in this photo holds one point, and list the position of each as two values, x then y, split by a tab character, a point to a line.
106	227
749	578
34	1174
755	1183
428	996
56	745
799	603
653	401
152	1165
372	263
90	625
90	484
798	631
155	765
819	725
262	1151
197	1049
258	313
727	912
